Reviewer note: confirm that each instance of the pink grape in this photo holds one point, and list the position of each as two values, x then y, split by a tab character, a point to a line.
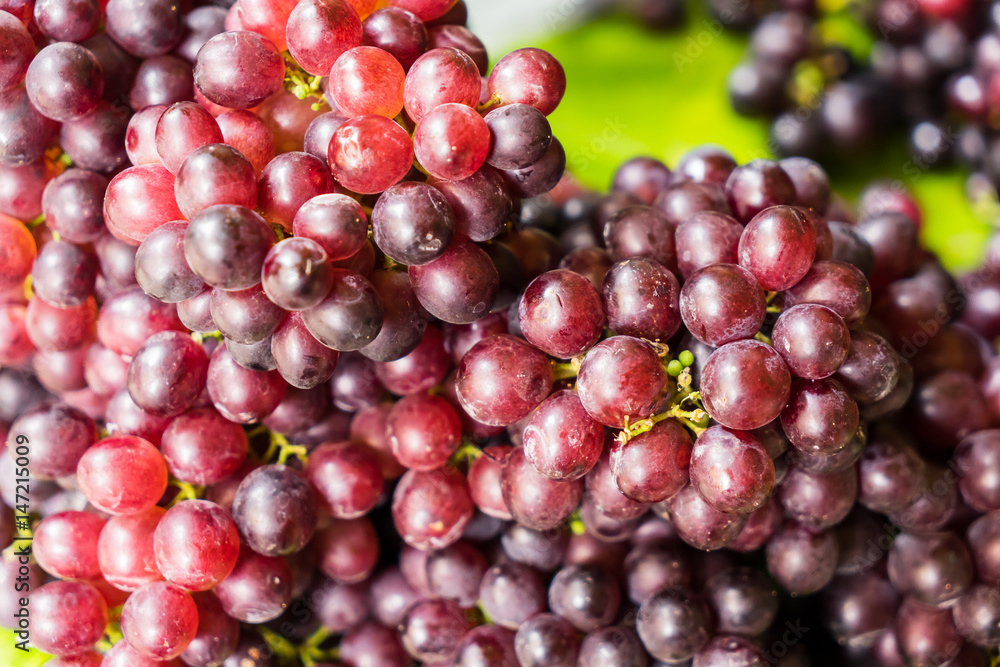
125	549
368	154
66	618
196	545
367	80
528	76
159	620
441	76
138	200
451	141
122	475
320	31
239	70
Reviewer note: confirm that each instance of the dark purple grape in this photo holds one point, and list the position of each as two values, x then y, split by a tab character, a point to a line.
706	238
242	395
800	559
63	274
225	245
812	339
431	509
511	593
458	287
586	596
925	635
641	299
931	568
546	640
812	185
274	509
167	375
820	417
219	59
520	135
871	369
161	268
397	31
947	407
820	500
350	316
560	439
674	624
72	203
891	475
977	614
258	589
641	231
698	523
64	81
758	185
778	247
486	645
413	223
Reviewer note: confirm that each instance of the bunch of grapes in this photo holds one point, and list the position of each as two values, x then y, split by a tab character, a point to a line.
318	358
932	71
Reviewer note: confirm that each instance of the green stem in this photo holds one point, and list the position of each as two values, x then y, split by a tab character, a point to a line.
280	647
280	450
185	491
564	370
762	338
467	452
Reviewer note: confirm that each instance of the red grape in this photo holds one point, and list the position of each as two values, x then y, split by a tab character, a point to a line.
122	475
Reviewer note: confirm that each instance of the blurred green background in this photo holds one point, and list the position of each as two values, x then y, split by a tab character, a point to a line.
632	91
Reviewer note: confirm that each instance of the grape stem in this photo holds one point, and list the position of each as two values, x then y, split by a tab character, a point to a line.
112	636
564	370
310	652
690	418
285	650
762	338
284	450
576	523
467	452
489	104
302	84
185	491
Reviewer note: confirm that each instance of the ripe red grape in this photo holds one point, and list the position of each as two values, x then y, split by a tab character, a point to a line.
159	620
320	31
122	475
731	470
745	384
621	379
67	618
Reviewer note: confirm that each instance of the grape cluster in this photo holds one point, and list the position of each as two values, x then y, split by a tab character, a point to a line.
320	359
932	70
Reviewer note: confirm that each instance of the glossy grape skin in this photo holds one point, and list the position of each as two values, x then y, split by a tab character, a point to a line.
368	154
420	370
674	624
640	231
731	470
424	431
819	500
528	76
367	80
21	188
820	417
391	596
729	650
860	607
346	477
138	200
225	245
129	318
586	596
214	174
502	379
621	378
778	246
318	32
350	316
370	643
160	267
348	549
240	394
397	31
61	372
58	436
451	141
182	128
560	439
484	481
167	374
561	313
546	640
431	629
296	274
301	360
740	370
653	466
871	369
948	406
932	568
289	181
159	620
405	320
258	589
454	573
839	286
520	135
891	475
975	461
140	135
812	340
924	634
64	81
52	604
536	501
706	238
486	645
196	545
431	509
246	132
512	592
698	523
217	635
335	221
440	76
260	73
722	303
96	140
125	549
24	132
15	345
63	274
123	655
459	286
412	223
65	545
161	80
801	560
975	615
122	475
274	509
20	49
124	417
757	185
850	247
18	254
